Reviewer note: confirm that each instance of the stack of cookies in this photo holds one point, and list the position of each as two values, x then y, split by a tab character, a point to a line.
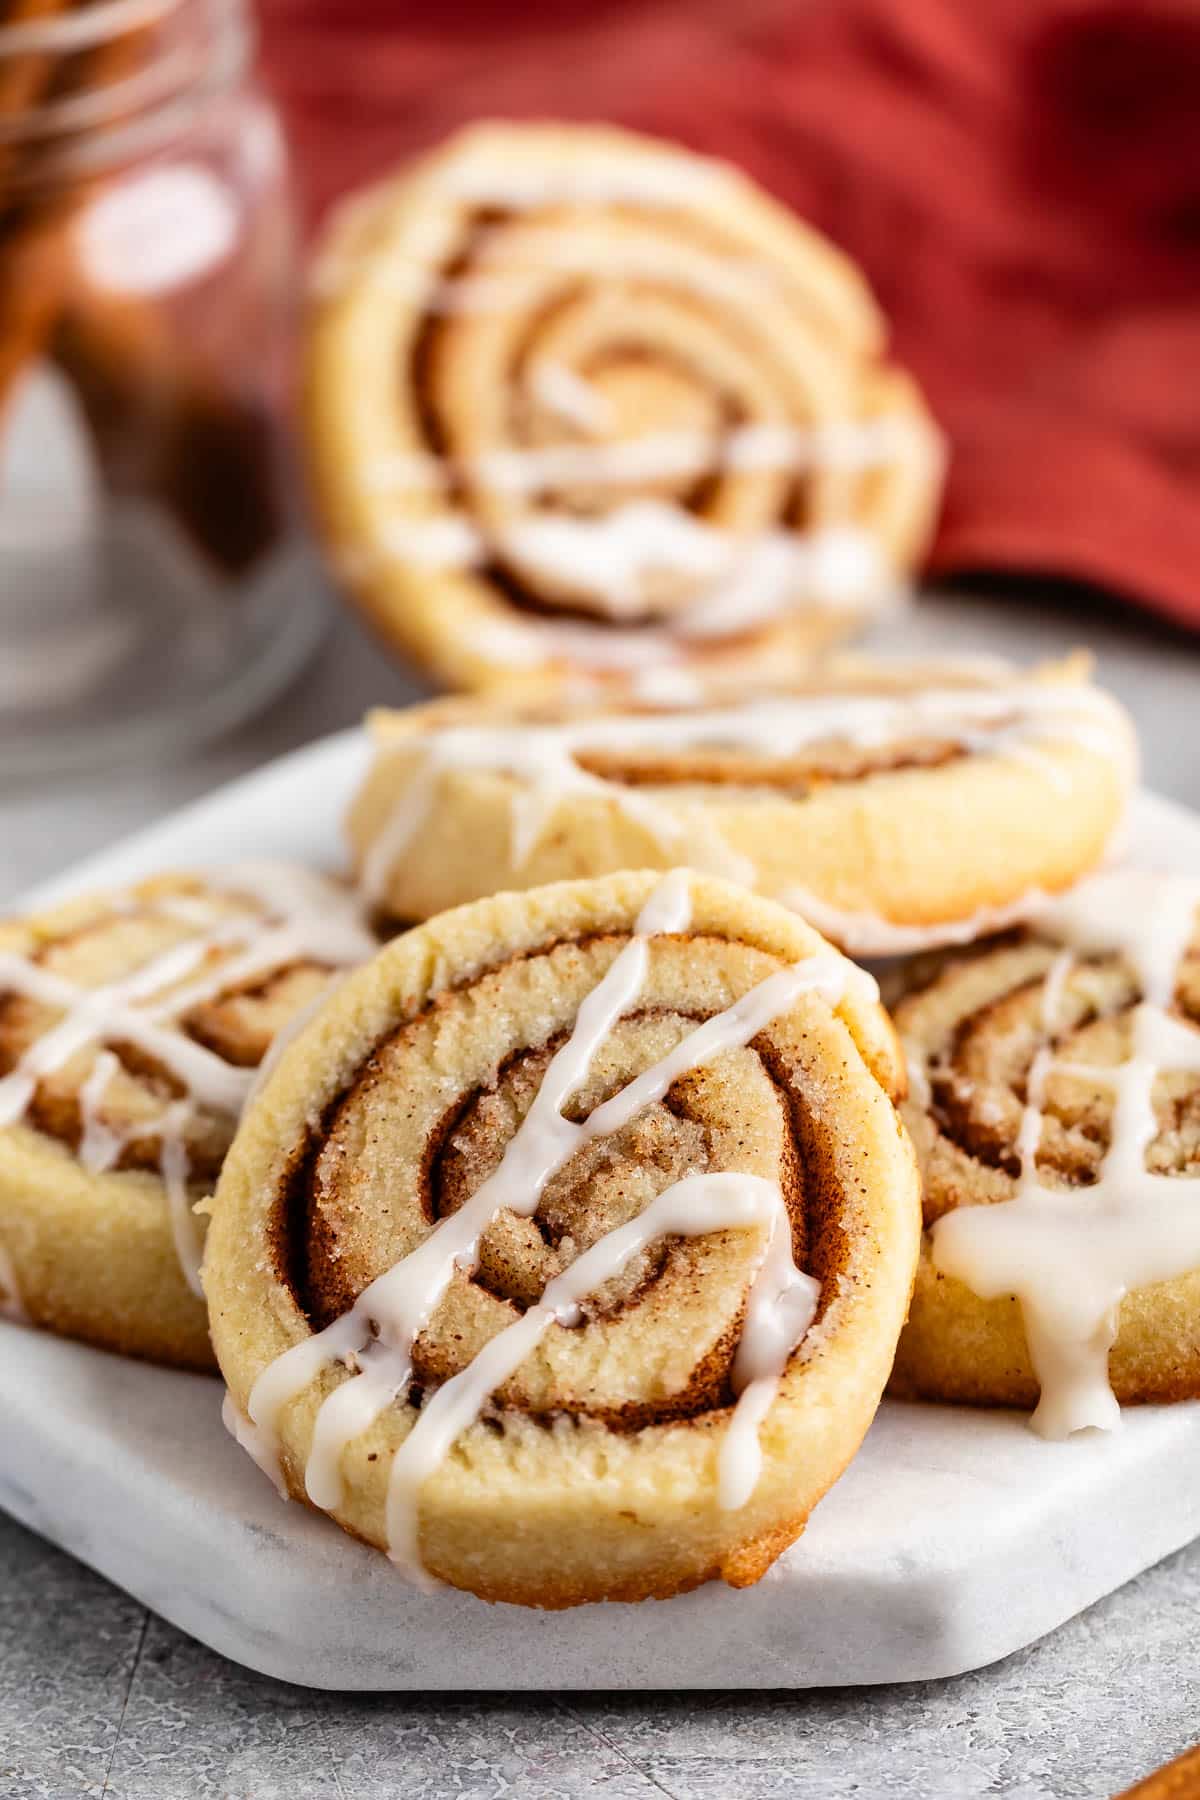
571	1197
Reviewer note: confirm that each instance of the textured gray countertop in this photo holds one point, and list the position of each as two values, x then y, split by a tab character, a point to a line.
99	1698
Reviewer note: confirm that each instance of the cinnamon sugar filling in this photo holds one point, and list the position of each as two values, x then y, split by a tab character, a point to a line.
824	765
321	1243
979	1085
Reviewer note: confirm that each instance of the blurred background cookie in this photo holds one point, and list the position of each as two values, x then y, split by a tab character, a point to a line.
580	406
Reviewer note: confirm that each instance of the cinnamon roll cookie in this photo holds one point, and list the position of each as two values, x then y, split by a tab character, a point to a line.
584	408
564	1253
131	1027
895	807
1056	1111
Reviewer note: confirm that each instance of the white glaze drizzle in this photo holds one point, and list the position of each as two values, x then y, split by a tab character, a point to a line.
94	1014
1070	1254
375	1338
740	579
12	1307
174	1166
594	654
477	179
920	1092
100	1145
252	1442
542	761
651	664
870	934
779	1310
851	446
558	389
613	557
302	916
780	1307
835	567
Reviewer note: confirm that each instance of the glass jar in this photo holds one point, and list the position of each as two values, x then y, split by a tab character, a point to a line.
153	588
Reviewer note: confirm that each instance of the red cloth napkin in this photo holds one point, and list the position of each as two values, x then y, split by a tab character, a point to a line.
1020	179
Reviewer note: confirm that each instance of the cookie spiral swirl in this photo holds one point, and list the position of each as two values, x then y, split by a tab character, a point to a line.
580	403
592	1467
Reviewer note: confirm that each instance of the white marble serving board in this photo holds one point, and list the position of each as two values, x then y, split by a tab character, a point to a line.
954	1538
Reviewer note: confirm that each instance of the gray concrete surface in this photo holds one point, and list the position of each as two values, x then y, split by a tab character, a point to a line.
98	1698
